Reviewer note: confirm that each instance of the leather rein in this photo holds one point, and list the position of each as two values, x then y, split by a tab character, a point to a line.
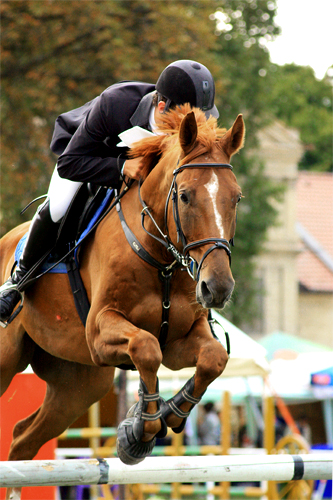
181	260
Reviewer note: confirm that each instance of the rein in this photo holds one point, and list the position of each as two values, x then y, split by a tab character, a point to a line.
181	260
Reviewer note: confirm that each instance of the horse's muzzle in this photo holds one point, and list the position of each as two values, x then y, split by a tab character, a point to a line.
211	293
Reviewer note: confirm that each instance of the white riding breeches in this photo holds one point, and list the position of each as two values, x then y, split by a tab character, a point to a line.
60	194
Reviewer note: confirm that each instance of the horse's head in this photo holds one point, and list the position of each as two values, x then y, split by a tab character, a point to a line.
201	210
207	196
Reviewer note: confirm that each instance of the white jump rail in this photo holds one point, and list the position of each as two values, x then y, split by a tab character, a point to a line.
166	470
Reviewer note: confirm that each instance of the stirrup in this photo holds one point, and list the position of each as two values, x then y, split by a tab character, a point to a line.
4	324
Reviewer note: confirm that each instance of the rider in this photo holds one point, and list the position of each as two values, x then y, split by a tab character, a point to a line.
86	139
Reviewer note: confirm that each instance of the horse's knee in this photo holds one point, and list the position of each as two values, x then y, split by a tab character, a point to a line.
212	361
145	350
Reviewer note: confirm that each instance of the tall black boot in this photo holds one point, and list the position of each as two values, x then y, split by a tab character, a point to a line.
41	239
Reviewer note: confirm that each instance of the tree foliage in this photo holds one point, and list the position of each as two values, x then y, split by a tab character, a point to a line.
302	101
58	55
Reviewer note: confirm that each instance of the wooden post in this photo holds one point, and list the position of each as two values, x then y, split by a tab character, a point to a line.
121	415
94	442
177	441
269	440
225	437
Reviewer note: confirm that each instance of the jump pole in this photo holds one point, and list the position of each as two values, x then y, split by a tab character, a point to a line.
166	470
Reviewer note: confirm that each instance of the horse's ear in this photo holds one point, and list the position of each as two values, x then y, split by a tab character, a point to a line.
233	140
188	133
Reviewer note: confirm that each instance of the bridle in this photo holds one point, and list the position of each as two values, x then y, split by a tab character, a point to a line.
184	259
181	260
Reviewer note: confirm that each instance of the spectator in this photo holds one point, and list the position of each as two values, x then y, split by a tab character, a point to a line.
209	430
305	428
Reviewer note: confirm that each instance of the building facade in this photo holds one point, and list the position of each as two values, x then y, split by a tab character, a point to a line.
296	266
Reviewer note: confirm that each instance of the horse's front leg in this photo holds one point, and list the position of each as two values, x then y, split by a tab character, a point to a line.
114	341
200	349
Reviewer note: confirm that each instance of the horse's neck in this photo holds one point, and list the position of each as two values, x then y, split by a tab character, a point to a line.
154	193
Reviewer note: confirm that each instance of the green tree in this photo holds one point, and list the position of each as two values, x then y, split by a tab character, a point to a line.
240	51
58	55
302	101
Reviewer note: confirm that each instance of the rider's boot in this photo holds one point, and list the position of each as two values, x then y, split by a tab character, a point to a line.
41	239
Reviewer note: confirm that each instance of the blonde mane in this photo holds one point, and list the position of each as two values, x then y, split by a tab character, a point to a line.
169	125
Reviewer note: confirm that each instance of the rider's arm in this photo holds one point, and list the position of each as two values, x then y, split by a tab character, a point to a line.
87	158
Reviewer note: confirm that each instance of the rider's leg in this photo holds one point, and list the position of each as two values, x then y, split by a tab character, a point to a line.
41	238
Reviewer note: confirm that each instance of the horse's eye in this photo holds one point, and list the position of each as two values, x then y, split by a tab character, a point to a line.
183	197
239	198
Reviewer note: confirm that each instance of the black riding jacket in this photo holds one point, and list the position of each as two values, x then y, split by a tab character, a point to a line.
86	138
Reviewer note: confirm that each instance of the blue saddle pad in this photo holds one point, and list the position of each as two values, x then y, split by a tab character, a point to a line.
61	268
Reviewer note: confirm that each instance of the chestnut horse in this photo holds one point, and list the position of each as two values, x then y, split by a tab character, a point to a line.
181	217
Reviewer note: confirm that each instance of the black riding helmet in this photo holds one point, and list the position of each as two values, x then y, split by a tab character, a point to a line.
188	81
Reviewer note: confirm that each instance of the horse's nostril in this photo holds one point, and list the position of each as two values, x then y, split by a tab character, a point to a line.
211	293
206	293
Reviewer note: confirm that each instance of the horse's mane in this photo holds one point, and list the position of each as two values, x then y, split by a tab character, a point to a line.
168	124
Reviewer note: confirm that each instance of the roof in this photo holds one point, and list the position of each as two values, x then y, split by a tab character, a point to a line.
315	228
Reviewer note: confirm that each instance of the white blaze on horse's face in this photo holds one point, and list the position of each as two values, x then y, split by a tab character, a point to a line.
213	188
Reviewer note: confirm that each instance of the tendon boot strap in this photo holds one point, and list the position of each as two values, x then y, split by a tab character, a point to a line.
147	398
130	447
173	404
141	414
187	397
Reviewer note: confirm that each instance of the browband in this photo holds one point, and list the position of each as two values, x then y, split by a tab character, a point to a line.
202	165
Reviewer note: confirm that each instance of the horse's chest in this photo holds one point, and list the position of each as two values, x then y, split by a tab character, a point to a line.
147	302
153	310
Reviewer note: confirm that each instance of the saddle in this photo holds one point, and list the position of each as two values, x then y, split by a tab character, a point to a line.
87	208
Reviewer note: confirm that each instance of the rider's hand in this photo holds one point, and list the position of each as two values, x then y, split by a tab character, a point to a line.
133	168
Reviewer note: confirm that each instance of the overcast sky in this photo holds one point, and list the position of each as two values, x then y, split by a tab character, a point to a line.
307	34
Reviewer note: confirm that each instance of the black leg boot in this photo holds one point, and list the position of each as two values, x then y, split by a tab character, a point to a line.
41	239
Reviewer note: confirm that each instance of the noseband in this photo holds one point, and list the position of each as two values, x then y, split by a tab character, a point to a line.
185	259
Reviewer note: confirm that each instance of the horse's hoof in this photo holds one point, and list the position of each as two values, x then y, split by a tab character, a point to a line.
125	458
130	451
